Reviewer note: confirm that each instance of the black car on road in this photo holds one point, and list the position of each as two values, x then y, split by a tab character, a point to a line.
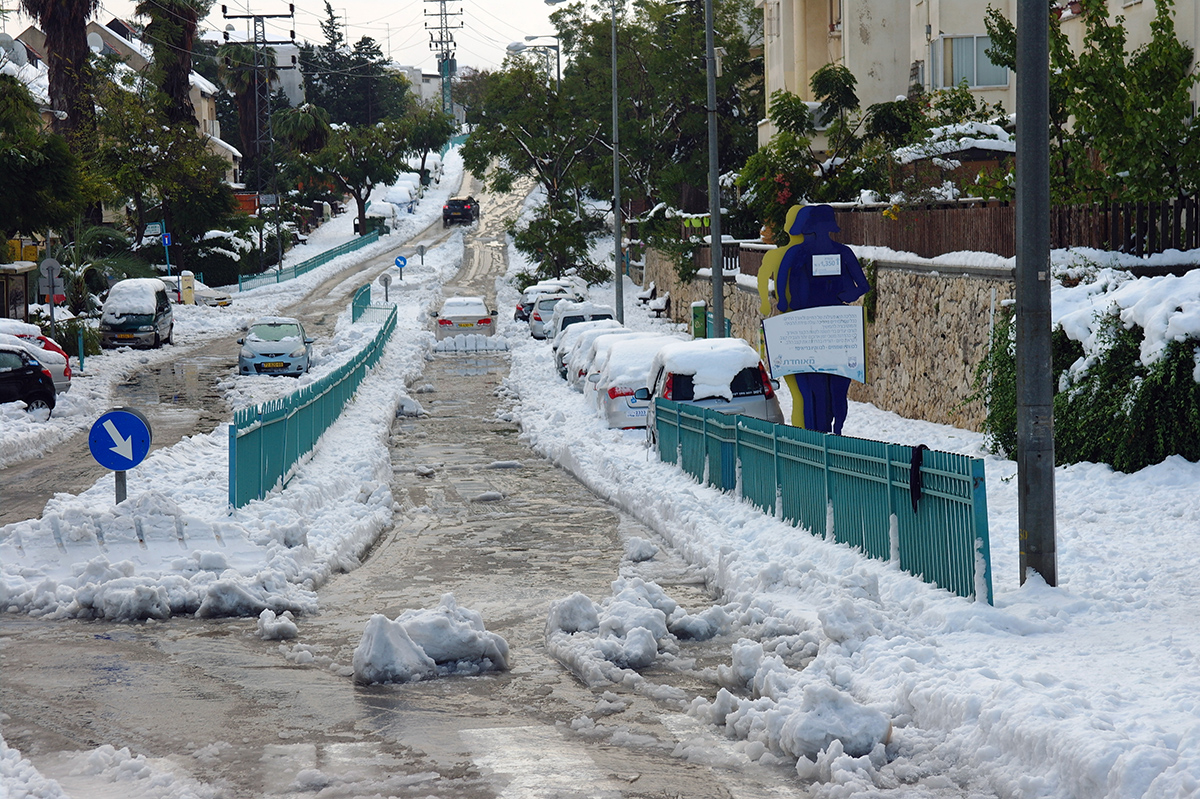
460	209
22	377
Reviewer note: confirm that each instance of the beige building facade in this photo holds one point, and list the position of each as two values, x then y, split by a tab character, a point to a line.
890	45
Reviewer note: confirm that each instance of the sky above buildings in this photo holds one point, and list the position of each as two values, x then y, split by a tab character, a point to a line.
400	28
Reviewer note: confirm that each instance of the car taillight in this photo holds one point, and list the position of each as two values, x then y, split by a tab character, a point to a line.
667	387
619	391
445	322
445	208
486	321
49	376
67	370
537	316
768	390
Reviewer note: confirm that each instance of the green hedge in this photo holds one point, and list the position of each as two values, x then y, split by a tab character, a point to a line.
1116	411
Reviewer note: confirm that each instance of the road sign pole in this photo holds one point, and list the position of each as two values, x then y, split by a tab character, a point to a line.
120	480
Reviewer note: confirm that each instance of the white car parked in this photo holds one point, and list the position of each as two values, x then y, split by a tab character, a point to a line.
462	315
566	339
625	370
579	363
724	374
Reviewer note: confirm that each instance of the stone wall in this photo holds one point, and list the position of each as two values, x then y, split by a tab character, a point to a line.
930	332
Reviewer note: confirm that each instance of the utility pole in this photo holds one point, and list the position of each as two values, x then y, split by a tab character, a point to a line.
1035	391
264	137
716	249
441	42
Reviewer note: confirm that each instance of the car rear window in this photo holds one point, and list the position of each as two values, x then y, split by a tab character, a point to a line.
747	382
567	321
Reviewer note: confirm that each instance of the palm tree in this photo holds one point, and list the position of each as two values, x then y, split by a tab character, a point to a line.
65	24
99	252
305	129
172	33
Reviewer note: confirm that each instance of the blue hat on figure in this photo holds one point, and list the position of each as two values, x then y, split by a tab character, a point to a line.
814	219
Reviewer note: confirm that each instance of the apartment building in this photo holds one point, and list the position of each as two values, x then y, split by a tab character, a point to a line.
890	45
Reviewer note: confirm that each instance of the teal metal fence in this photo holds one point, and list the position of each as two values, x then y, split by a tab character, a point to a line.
855	491
247	282
267	440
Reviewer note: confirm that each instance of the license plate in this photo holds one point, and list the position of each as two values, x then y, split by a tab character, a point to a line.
637	413
273	365
466	324
125	335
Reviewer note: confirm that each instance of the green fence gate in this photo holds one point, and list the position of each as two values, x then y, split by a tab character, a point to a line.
247	282
856	491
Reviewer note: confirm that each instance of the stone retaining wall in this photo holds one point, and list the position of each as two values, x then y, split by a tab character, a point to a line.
930	332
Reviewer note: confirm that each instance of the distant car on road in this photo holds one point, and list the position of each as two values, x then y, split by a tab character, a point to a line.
275	345
462	315
23	378
204	295
463	210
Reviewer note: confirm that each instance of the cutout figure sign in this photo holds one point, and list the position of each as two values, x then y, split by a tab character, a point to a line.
813	272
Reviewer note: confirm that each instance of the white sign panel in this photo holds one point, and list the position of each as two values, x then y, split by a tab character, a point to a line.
827	265
830	339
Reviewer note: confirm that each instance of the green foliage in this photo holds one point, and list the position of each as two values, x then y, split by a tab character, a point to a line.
42	182
68	335
871	299
1115	411
996	385
1119	118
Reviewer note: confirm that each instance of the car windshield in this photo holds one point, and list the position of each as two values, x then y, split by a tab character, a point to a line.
133	318
275	331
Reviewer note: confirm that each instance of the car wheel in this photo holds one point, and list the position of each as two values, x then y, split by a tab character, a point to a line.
171	335
157	341
38	404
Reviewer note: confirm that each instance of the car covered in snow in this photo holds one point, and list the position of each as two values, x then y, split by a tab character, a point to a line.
724	374
570	313
47	351
137	313
565	340
551	286
23	378
612	383
579	361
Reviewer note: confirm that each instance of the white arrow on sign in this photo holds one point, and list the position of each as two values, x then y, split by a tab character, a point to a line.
124	446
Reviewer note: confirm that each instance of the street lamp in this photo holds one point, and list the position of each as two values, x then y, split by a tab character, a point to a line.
557	46
520	47
618	259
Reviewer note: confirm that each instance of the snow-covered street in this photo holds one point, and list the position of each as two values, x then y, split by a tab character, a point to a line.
765	648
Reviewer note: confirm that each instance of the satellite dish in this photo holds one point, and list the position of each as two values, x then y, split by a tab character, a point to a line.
15	51
95	43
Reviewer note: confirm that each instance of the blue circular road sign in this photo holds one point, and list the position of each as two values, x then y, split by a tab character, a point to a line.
120	439
401	261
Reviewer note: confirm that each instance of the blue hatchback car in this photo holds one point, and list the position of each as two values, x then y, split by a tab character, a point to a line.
275	345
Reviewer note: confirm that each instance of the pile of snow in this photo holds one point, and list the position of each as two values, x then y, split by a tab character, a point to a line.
472	342
608	642
420	644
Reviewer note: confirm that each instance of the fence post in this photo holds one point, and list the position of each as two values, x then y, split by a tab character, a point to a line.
232	466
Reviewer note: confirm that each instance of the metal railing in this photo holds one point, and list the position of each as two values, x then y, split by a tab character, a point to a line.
247	282
267	440
854	491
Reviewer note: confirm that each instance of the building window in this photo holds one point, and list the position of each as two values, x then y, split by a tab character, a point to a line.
771	23
954	59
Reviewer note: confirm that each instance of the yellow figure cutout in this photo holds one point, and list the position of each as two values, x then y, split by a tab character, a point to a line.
768	272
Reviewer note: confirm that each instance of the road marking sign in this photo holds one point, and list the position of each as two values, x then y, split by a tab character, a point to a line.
401	261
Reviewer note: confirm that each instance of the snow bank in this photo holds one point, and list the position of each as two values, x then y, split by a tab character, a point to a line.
420	644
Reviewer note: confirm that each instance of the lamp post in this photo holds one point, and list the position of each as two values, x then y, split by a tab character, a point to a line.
618	259
716	248
520	47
